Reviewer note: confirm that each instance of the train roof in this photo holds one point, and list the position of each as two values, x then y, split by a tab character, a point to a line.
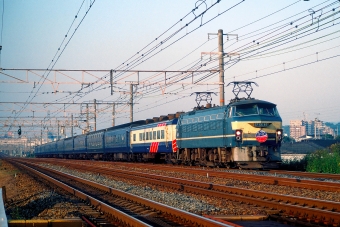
217	109
155	124
249	101
130	124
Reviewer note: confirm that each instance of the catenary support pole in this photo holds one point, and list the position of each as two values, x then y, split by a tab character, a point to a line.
221	65
131	102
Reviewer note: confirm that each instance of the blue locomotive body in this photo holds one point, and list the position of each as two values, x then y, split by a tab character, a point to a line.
246	134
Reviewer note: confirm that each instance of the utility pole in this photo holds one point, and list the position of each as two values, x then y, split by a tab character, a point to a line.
131	102
111	81
87	119
113	114
221	65
58	131
221	54
71	125
95	114
41	133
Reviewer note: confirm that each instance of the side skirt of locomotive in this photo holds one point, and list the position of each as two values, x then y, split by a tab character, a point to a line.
251	157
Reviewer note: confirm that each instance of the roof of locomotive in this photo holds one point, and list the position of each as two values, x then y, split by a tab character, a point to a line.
249	101
218	109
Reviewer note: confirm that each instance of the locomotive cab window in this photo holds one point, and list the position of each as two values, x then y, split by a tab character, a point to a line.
268	110
162	134
255	109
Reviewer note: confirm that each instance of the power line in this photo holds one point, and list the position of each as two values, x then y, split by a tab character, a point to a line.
45	77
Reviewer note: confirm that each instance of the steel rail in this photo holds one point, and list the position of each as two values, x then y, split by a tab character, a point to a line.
307	174
298	206
196	220
292	182
103	207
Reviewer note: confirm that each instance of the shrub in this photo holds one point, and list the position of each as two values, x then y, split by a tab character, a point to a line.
325	161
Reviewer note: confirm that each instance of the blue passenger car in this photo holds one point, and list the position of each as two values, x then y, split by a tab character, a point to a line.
95	142
60	147
80	144
117	139
68	145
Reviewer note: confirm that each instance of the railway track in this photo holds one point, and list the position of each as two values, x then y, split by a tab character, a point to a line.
305	174
291	182
120	208
300	208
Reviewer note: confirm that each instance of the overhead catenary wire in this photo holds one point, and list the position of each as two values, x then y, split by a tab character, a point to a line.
29	99
244	58
185	26
2	27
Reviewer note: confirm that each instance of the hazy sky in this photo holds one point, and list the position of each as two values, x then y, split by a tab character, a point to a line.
289	48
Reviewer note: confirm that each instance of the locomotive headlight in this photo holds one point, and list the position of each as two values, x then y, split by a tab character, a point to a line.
279	135
238	135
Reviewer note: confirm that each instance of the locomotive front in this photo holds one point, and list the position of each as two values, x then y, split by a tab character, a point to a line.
257	127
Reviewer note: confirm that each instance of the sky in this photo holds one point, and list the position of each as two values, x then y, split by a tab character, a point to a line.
289	48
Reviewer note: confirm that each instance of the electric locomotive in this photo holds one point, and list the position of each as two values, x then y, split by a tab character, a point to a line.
246	133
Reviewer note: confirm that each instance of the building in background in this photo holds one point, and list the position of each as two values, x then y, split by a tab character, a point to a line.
302	129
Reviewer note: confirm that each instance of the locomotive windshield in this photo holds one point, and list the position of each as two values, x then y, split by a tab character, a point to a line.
255	109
